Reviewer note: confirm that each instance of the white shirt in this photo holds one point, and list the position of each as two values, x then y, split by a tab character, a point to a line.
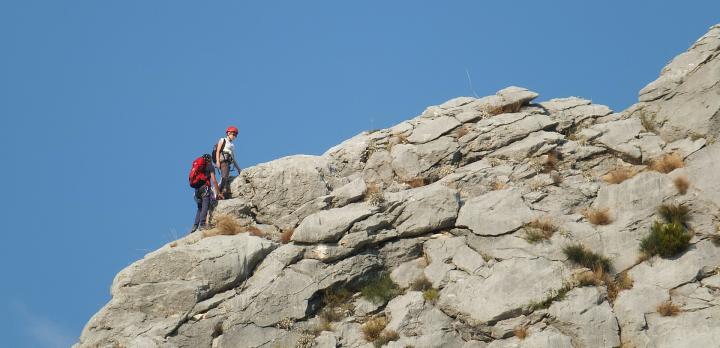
229	147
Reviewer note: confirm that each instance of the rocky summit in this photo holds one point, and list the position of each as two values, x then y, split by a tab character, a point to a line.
494	222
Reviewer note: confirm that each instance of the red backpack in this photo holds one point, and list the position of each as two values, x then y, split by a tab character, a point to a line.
197	173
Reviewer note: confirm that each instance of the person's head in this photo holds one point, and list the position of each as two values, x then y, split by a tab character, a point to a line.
206	156
232	132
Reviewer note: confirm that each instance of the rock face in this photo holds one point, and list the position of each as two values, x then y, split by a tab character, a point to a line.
450	230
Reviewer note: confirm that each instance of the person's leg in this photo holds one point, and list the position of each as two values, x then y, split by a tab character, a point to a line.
204	207
225	178
198	201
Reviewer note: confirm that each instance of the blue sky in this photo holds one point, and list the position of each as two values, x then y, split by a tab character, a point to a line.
104	105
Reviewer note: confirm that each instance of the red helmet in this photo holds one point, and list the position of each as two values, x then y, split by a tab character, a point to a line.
232	129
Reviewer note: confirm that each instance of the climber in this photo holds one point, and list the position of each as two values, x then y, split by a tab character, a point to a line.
224	156
202	176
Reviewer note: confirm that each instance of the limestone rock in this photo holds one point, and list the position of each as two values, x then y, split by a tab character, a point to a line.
494	213
512	286
330	225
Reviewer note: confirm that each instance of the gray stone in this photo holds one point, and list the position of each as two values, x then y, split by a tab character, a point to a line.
279	187
587	317
549	337
349	193
432	129
686	330
408	272
512	286
499	131
700	168
330	225
533	145
494	213
424	209
410	161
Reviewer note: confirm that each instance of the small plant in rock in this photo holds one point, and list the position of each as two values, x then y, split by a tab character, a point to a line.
666	240
229	225
668	309
286	235
337	304
619	175
586	258
617	284
550	161
681	184
306	340
374	194
540	229
386	337
416	182
461	131
380	289
373	327
497	185
648	122
715	239
446	170
589	279
552	296
285	324
520	332
494	110
667	163
421	284
597	216
431	295
674	213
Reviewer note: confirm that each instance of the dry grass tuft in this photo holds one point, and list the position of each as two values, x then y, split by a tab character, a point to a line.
461	131
682	183
431	295
374	194
551	161
619	175
540	229
504	109
421	284
667	163
374	327
286	235
416	182
497	185
715	239
675	213
337	303
668	309
386	337
582	256
520	332
227	225
618	283
597	216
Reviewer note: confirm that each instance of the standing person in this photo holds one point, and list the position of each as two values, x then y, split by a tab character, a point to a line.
202	176
224	156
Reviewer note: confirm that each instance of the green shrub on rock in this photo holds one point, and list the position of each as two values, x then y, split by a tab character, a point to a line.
586	258
675	213
380	289
666	239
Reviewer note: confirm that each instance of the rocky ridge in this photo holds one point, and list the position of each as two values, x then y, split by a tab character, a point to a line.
453	207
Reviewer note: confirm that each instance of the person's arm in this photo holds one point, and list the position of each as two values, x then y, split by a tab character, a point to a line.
218	151
215	184
236	164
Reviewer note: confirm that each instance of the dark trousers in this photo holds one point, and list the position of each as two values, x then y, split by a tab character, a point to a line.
225	178
202	198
